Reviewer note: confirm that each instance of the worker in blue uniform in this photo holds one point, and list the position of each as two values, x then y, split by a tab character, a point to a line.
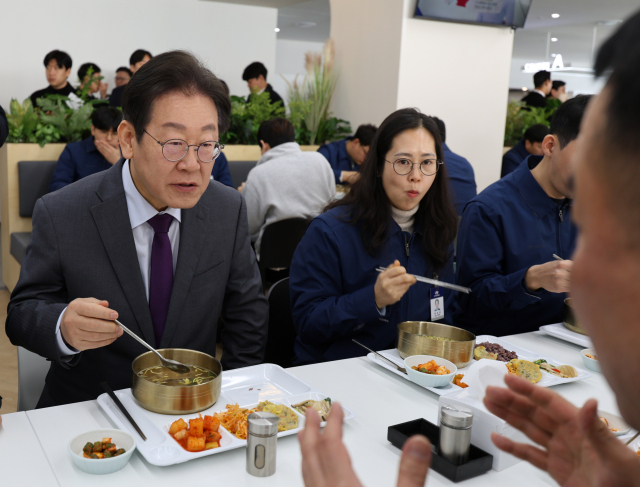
220	171
531	144
347	155
509	234
397	216
462	180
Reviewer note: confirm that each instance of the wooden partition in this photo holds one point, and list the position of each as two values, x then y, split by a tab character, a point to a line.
10	155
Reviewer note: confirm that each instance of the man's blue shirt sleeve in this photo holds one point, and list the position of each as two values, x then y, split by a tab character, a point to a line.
64	172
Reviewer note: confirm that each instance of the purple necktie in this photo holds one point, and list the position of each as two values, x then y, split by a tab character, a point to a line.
161	278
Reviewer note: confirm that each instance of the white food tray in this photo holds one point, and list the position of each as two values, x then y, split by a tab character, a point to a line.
558	330
247	387
546	381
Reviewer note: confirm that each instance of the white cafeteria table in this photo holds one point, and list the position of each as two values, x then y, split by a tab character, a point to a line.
378	397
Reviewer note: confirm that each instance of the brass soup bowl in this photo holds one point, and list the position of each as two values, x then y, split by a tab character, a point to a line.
165	399
569	319
413	340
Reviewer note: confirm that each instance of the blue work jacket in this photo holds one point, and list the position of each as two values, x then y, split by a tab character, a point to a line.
332	278
462	180
220	171
336	154
509	227
513	158
78	160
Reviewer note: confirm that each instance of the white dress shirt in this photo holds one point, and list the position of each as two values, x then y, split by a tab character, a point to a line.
140	211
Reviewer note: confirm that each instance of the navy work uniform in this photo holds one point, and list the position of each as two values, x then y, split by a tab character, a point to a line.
337	155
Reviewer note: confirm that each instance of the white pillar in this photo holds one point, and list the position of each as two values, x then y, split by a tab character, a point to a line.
458	72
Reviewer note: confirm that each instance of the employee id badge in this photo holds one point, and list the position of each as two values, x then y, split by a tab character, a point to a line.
437	303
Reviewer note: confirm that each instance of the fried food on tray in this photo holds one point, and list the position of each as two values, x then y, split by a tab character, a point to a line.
101	449
201	434
323	407
525	369
288	420
457	380
480	352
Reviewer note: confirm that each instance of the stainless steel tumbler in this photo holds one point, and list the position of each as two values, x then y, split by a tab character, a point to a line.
261	444
455	433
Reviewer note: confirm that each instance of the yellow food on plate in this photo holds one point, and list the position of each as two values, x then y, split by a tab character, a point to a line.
432	368
288	419
481	352
525	369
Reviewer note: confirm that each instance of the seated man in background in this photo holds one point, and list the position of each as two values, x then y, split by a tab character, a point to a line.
510	232
538	96
96	85
58	69
94	154
558	90
531	144
462	180
256	77
221	172
138	59
286	182
123	75
347	155
151	241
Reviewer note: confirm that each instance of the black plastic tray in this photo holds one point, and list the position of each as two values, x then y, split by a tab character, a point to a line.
479	461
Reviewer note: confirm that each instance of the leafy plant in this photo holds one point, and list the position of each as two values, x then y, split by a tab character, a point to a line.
73	125
23	122
246	117
520	117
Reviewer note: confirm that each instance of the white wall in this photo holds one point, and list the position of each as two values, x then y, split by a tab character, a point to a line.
290	56
225	36
367	35
459	73
576	83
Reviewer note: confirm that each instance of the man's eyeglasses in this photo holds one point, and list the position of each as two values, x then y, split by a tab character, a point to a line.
428	167
174	150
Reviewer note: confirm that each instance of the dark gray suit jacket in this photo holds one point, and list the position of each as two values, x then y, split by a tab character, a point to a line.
82	246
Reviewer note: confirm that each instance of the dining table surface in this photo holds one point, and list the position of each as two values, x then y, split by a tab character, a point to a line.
34	444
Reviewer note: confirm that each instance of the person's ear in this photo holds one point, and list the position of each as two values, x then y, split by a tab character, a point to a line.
127	138
549	144
93	130
68	73
528	145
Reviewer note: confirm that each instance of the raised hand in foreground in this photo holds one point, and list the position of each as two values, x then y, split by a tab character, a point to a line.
577	448
326	462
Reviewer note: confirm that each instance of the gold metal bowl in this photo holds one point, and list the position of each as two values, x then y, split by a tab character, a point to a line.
413	339
165	399
569	319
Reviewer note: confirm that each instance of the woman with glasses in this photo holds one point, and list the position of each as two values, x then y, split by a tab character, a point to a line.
397	216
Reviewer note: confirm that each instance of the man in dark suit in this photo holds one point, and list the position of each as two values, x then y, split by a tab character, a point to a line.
94	154
256	77
151	241
138	59
543	84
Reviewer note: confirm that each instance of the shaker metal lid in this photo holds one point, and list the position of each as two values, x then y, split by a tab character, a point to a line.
456	416
261	423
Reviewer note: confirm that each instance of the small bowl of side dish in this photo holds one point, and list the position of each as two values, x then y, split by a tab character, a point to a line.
426	379
590	363
100	466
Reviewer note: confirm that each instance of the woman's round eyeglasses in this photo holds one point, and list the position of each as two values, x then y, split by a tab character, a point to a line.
428	167
174	150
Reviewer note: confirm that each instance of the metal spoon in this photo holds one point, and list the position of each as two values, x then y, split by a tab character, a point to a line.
168	363
401	369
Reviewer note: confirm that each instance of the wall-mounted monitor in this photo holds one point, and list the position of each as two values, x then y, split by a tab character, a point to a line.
511	13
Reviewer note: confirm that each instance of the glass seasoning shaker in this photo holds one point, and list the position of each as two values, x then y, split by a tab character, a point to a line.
261	444
455	433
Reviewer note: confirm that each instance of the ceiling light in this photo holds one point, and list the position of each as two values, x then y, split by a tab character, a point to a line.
277	29
554	39
555	16
524	88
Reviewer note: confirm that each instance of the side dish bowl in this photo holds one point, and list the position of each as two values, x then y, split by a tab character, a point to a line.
428	380
590	363
414	338
176	399
120	438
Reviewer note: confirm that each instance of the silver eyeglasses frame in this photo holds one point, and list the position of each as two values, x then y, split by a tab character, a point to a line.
419	164
218	147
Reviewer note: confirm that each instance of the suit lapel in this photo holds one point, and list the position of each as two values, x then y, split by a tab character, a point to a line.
192	234
112	219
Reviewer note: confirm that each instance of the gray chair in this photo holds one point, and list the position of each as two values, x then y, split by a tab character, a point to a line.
239	170
32	370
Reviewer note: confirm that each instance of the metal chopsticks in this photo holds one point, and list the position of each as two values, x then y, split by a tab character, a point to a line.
435	282
121	407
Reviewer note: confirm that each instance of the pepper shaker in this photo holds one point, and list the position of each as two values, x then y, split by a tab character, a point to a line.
261	444
455	433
